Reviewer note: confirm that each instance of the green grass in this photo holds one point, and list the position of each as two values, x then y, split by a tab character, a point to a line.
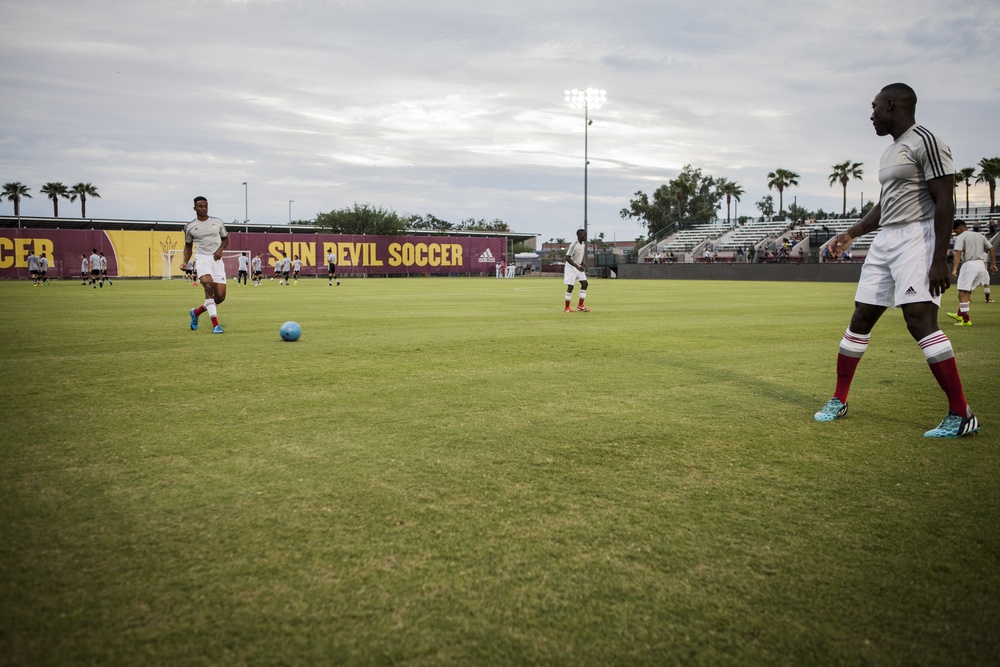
455	472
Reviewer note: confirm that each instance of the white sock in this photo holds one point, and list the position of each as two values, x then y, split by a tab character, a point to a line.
210	307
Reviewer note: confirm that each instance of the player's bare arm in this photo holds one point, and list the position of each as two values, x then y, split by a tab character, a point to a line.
869	223
940	190
955	263
187	255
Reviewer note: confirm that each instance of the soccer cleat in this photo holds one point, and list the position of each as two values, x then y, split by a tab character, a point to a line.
955	316
833	409
963	323
194	320
989	301
954	426
567	310
582	309
217	329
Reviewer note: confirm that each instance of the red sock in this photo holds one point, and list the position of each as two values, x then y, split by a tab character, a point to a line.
215	321
946	373
199	310
846	366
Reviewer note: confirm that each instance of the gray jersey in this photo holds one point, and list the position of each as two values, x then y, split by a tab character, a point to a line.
915	158
286	264
244	262
32	262
95	262
575	252
256	264
297	266
205	235
973	246
43	264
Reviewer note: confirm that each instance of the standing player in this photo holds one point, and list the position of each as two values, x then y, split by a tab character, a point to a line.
576	271
84	268
104	271
206	238
244	269
95	269
331	268
906	266
286	269
971	250
296	267
257	269
33	267
43	269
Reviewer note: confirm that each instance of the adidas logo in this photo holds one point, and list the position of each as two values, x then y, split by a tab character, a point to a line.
910	291
487	257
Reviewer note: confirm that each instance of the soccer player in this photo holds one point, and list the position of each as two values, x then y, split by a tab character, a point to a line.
95	269
286	268
257	269
331	268
277	267
104	271
576	271
244	269
296	267
971	250
906	265
43	269
84	268
206	238
33	267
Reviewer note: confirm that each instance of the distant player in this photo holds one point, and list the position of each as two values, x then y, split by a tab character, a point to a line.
286	268
278	261
84	268
244	269
331	268
906	266
258	269
33	267
971	251
205	239
296	267
43	269
104	270
575	271
95	268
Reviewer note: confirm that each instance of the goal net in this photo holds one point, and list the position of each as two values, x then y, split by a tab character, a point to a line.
172	263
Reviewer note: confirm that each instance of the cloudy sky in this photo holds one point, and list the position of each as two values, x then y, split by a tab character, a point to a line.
456	108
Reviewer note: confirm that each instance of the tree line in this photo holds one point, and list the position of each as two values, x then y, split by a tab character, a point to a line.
369	219
15	192
695	196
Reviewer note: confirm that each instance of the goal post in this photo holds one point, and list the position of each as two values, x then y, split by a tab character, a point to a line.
172	263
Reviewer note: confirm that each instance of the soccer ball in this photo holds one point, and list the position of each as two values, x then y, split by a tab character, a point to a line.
290	331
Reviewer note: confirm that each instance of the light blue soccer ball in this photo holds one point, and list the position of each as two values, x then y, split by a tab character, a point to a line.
290	331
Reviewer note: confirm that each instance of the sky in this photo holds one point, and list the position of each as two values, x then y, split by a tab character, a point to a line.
456	108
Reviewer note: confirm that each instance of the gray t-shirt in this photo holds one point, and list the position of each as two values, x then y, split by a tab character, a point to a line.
32	263
205	235
973	246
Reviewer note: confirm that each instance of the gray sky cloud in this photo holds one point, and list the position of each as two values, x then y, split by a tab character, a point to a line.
456	109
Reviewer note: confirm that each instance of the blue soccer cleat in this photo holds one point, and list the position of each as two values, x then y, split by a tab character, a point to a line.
833	409
194	320
217	329
954	426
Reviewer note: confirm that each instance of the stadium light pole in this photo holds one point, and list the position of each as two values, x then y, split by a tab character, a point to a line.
591	98
246	204
290	201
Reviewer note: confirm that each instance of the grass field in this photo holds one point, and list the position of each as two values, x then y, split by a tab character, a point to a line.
455	472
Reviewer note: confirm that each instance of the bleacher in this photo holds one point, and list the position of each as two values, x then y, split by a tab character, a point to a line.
751	233
687	239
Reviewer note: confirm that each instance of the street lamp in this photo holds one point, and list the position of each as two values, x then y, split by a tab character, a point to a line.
591	98
246	200
290	210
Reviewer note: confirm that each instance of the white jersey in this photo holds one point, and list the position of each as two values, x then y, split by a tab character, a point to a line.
297	265
205	235
84	265
104	263
244	263
286	264
95	262
331	258
43	264
973	246
256	264
916	157
575	252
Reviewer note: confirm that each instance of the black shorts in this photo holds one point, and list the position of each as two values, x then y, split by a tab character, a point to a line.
331	268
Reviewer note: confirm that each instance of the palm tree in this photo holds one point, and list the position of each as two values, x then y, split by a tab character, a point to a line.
964	176
83	190
14	192
989	175
843	173
780	179
54	191
731	190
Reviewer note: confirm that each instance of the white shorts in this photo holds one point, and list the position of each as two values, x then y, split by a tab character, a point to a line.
973	273
572	275
895	270
209	265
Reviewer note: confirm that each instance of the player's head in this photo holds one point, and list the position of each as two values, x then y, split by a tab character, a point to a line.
94	250
581	235
201	207
244	254
959	226
893	109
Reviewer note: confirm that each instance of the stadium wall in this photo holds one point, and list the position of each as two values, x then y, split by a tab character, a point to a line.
847	272
140	254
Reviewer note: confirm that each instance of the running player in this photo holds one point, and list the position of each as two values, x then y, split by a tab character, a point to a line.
906	265
206	238
971	251
575	271
296	267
